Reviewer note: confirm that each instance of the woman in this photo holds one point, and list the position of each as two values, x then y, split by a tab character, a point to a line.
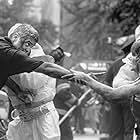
130	88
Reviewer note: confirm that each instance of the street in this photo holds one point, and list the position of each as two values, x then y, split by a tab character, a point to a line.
86	137
89	136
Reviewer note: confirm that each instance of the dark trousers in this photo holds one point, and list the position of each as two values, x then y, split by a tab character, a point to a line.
136	113
104	120
122	122
65	129
79	120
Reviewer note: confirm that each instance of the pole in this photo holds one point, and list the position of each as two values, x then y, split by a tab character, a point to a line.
74	106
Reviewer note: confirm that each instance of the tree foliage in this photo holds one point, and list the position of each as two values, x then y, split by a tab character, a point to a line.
126	13
89	28
10	13
48	34
93	21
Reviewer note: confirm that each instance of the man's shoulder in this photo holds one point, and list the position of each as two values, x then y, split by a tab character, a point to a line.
4	38
5	41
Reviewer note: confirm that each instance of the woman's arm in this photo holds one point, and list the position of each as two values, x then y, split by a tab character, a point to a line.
109	93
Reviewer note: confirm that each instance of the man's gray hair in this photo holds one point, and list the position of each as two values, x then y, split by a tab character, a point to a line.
23	31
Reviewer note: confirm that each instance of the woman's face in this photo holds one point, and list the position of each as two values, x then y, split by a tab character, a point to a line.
24	44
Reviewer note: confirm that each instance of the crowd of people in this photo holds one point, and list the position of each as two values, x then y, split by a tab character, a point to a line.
37	91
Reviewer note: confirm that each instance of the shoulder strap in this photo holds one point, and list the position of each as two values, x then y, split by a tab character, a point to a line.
14	87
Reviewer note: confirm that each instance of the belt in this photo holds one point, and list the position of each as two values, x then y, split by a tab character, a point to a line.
32	105
33	114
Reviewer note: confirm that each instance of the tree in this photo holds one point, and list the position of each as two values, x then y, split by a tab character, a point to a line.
47	32
90	29
10	13
93	21
126	13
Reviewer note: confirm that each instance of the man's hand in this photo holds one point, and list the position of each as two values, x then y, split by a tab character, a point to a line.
78	77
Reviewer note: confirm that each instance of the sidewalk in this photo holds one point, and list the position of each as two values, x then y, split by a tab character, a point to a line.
89	135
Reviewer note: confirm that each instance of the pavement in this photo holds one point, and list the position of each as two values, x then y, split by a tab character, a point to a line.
89	135
86	137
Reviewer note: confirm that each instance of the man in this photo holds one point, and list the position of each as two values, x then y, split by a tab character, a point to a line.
121	124
78	113
14	61
64	98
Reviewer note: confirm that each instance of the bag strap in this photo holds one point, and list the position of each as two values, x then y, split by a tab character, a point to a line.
15	88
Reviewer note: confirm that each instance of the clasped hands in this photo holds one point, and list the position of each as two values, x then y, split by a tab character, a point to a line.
79	77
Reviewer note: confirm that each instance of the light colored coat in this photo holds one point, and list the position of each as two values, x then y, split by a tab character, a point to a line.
45	127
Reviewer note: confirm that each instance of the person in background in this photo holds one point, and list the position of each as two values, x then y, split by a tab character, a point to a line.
63	101
93	107
121	121
64	98
79	112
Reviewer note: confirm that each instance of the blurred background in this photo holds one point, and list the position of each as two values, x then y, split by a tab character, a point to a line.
88	29
92	33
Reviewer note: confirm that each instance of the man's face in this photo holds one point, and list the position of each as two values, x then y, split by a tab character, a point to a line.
24	44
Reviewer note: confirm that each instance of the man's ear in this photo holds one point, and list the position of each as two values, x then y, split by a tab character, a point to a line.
14	37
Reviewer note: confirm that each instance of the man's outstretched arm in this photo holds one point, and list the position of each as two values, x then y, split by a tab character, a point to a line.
52	70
